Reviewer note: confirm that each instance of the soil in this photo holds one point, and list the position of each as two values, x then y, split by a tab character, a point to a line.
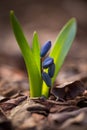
66	108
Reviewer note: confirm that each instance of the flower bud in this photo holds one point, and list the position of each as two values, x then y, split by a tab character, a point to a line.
47	62
45	48
46	78
51	70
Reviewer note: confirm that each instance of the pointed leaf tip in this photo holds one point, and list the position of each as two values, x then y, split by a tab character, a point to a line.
34	33
11	12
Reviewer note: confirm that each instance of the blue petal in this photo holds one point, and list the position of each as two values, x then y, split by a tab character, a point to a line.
51	70
47	62
45	48
46	78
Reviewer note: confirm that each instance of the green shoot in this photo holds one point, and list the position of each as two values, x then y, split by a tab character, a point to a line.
42	72
30	58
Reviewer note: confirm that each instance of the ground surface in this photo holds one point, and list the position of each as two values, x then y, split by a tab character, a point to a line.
17	111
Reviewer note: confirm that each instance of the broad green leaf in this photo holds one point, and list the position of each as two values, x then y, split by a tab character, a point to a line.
60	49
62	45
36	50
33	72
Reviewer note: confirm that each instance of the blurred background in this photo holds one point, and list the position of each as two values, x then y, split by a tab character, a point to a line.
47	18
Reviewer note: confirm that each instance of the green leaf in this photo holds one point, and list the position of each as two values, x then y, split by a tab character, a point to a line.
60	49
62	45
36	50
33	72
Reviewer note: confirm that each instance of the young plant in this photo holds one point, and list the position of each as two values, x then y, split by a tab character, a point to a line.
42	69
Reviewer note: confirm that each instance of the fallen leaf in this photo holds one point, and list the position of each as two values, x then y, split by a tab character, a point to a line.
69	90
12	103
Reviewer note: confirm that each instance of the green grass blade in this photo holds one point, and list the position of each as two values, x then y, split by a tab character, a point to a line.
36	50
33	72
62	45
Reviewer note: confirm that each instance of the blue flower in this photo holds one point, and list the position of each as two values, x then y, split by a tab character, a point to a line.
45	48
51	70
47	79
47	62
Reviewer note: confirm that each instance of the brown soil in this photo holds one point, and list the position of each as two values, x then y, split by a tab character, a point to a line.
19	112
